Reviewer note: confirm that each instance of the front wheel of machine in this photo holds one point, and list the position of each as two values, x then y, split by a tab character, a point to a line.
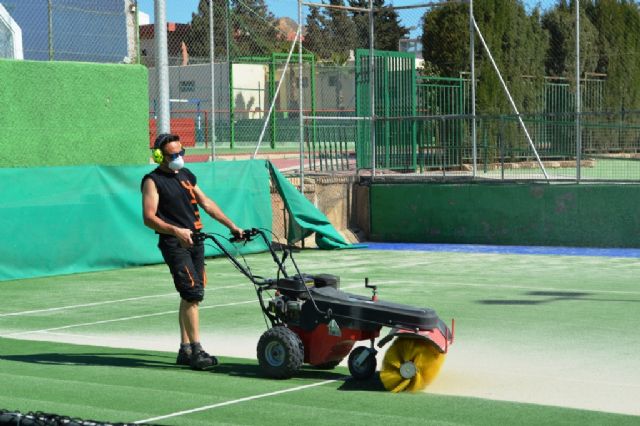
362	363
410	365
280	353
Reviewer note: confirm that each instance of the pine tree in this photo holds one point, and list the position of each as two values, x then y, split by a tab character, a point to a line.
316	36
253	29
341	31
516	41
198	38
618	43
560	23
387	28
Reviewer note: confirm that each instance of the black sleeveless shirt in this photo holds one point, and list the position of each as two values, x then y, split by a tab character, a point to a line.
177	204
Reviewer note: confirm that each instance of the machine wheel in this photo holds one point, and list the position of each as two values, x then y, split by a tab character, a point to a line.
280	352
410	365
361	365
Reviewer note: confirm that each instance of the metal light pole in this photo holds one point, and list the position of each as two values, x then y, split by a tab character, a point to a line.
578	100
50	15
163	124
472	59
300	97
212	53
372	101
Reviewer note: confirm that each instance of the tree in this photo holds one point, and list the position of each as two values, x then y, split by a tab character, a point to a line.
618	42
560	23
341	32
253	29
316	38
515	39
387	28
198	39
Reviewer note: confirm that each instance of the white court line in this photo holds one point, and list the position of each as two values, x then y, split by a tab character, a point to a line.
46	330
235	401
106	302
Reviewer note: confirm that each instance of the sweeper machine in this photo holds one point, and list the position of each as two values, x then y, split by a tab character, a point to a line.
312	321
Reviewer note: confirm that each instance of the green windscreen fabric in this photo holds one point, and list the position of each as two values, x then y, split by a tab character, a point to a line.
305	217
62	220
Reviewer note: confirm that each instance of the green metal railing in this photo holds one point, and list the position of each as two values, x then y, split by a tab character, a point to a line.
394	77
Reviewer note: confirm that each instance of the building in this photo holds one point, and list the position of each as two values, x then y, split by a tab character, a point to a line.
176	43
10	36
76	30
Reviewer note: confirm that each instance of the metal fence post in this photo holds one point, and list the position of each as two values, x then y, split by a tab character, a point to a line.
163	125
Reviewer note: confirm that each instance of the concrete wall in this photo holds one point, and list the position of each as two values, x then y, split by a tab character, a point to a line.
587	215
67	113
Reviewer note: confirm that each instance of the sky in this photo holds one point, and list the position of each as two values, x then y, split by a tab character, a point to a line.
180	10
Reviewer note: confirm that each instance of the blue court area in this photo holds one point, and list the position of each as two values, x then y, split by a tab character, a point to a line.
533	250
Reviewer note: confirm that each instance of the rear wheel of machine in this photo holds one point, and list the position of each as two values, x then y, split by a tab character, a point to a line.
410	365
280	353
362	366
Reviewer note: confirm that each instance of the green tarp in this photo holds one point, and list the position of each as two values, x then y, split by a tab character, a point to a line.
305	217
63	220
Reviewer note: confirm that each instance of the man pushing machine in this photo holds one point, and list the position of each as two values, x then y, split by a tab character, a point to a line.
171	199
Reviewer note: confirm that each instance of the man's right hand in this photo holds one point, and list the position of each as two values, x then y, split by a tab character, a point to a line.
184	236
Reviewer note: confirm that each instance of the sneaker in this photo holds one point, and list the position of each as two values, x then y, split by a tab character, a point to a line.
201	360
184	357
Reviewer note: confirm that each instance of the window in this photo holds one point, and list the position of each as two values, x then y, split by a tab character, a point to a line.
188	86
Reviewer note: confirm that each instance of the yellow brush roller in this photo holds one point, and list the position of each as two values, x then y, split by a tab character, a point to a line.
410	365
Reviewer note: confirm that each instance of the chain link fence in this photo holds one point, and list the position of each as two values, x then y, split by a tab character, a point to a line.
543	96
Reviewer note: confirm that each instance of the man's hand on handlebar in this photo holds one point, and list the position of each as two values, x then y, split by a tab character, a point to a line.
236	232
184	237
245	235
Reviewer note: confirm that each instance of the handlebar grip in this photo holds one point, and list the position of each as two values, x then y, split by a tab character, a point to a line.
246	235
198	238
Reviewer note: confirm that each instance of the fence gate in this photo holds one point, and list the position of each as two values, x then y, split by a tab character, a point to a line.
394	76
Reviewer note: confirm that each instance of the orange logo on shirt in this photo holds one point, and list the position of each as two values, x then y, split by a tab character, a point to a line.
187	185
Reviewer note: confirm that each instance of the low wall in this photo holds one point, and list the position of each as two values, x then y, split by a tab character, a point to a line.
584	215
70	113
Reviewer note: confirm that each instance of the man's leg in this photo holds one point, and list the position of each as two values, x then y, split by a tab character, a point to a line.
184	354
189	322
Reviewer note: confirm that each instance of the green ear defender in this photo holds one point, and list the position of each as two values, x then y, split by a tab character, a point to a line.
162	140
157	155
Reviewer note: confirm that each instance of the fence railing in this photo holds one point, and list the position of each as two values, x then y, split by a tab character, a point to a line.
610	146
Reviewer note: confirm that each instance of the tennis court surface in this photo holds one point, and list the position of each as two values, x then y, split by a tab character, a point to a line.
540	338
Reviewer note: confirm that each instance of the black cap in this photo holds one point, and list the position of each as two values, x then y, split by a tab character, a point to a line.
163	139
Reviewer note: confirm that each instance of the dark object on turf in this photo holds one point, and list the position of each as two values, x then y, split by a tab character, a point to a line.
314	322
38	418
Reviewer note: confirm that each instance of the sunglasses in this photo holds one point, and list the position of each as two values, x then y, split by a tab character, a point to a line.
176	155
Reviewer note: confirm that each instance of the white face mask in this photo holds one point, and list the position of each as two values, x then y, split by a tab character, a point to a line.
177	164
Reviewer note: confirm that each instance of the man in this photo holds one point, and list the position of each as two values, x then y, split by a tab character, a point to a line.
170	200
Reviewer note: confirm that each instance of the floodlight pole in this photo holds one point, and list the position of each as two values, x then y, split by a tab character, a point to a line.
163	124
578	100
300	97
212	54
50	17
372	101
472	59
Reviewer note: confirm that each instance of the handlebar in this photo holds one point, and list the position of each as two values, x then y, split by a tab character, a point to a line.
247	235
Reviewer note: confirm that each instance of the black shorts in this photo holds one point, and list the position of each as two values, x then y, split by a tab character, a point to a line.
187	268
